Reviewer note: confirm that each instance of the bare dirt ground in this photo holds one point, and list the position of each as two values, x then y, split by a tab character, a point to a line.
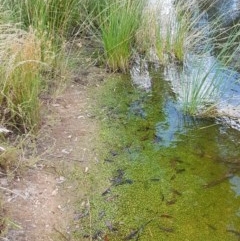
40	201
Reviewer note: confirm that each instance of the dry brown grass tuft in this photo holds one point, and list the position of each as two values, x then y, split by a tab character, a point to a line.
20	78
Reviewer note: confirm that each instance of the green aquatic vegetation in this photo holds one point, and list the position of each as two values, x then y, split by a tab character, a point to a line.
152	191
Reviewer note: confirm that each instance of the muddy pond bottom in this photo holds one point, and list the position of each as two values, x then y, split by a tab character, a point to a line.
168	176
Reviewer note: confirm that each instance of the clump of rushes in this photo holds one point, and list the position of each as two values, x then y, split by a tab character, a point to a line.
182	29
201	88
120	21
164	29
53	17
148	33
145	35
177	31
20	54
23	52
53	21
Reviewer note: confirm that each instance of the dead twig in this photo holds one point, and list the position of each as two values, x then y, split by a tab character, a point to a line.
62	235
237	233
136	232
218	181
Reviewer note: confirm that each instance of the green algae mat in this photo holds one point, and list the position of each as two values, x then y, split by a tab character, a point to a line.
164	175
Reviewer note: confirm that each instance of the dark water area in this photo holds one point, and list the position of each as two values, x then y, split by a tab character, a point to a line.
169	176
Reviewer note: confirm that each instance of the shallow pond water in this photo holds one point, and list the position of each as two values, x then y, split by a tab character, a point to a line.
168	176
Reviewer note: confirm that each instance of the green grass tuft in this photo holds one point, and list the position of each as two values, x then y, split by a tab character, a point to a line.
118	28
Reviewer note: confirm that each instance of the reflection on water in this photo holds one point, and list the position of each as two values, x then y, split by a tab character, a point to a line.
235	185
175	123
139	73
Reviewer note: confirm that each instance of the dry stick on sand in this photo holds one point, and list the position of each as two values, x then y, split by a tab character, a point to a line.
62	235
90	219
